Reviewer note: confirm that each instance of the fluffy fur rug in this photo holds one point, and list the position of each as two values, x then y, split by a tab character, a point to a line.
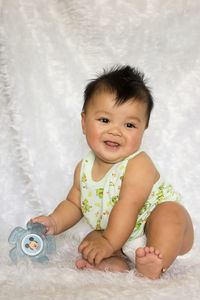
48	51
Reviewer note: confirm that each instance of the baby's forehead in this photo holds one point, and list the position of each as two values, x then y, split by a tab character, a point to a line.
102	98
108	105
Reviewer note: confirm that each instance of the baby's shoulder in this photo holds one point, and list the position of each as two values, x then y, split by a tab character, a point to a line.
141	163
141	157
77	172
140	172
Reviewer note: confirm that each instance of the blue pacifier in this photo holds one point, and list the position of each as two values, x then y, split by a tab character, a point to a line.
31	242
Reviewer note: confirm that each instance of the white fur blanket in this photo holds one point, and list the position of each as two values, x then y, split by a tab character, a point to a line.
48	51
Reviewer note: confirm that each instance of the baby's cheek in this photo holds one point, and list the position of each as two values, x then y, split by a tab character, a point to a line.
93	139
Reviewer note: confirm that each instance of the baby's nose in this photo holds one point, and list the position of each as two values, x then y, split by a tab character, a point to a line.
115	130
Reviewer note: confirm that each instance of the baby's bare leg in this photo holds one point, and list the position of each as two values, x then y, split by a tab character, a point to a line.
169	233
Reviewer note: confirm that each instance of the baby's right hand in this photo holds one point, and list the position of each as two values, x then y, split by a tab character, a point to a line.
48	222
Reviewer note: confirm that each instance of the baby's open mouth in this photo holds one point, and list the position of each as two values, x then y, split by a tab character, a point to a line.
111	144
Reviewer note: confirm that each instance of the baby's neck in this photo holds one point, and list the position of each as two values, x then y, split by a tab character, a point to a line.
100	169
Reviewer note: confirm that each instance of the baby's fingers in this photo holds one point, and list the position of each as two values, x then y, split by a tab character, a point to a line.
86	253
82	246
37	219
91	256
42	220
98	259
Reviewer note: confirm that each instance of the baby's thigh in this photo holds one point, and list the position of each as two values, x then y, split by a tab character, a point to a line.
167	214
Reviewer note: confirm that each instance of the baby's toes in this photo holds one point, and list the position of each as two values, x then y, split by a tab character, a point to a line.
152	250
159	255
147	250
140	252
157	252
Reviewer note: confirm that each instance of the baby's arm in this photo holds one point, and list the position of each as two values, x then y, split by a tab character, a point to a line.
137	184
67	213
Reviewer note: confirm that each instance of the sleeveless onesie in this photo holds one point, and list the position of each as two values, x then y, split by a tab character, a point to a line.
99	197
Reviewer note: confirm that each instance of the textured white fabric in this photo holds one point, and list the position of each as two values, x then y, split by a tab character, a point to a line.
48	51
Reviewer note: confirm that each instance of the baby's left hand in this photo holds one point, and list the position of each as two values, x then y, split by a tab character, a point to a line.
96	250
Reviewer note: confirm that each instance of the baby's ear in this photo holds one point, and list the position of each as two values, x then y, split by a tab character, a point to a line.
83	121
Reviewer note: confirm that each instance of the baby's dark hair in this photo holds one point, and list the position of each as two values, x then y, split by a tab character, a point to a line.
126	82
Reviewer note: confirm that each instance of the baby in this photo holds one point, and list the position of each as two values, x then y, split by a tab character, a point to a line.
117	188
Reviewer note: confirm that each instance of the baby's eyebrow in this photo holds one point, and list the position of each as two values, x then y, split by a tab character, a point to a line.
103	112
134	118
130	118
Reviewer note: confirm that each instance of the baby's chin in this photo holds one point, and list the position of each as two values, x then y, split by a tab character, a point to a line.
110	159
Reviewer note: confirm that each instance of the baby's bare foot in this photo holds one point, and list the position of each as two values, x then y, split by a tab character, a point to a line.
149	262
83	264
110	264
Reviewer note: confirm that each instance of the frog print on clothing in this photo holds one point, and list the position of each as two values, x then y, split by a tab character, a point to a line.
85	207
115	199
99	193
84	181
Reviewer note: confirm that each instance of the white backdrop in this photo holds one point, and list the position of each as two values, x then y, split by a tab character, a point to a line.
49	49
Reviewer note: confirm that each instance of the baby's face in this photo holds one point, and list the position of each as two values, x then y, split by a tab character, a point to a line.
113	131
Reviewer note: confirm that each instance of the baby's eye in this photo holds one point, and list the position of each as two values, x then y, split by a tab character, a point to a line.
130	125
104	120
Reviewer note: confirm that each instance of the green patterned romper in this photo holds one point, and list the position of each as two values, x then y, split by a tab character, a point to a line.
99	197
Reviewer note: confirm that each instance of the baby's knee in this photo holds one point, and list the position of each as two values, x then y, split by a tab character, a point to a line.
168	213
170	208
